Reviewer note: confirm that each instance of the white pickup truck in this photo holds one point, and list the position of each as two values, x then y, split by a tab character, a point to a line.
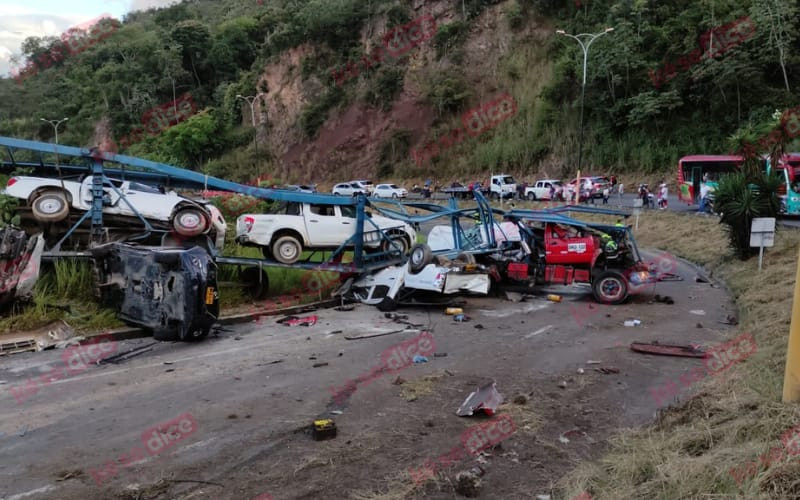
541	190
52	199
284	235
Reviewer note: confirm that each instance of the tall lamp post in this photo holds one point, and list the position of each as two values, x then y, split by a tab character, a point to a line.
591	37
55	124
251	100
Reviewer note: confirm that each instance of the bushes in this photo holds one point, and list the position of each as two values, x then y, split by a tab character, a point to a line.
450	38
315	113
447	92
740	199
393	151
384	87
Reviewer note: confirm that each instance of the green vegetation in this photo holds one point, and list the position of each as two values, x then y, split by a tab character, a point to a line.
741	198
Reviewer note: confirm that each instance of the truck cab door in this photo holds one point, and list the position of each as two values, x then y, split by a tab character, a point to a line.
323	225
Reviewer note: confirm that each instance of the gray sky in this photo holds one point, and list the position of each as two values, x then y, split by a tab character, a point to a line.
20	19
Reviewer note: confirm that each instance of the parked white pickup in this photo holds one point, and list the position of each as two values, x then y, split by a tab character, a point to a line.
541	190
50	201
284	235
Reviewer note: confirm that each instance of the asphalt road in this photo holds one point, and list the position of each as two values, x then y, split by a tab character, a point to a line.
246	393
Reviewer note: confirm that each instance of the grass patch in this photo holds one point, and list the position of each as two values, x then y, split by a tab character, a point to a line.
61	293
690	451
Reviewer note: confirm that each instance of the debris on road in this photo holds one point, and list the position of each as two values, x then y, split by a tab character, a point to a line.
373	335
632	322
318	365
485	398
593	362
669	277
346	308
554	298
399	381
686	351
461	318
606	370
295	321
324	429
468	484
130	353
580	371
55	334
666	299
419	359
513	296
563	384
454	310
440	355
479	326
698	312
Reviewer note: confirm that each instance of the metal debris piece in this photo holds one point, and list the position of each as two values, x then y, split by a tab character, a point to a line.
485	398
686	351
318	365
607	370
304	321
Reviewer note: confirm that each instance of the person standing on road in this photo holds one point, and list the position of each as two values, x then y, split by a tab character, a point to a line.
588	187
662	197
704	190
606	192
620	191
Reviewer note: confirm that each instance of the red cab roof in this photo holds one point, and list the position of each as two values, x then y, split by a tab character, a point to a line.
699	158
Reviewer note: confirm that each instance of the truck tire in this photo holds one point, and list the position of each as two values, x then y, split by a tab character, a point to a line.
256	282
610	287
50	206
399	241
287	249
495	196
531	196
388	304
419	257
190	222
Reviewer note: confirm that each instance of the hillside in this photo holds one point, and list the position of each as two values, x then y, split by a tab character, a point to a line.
341	97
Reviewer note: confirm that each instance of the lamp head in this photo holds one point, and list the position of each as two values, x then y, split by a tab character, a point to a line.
560	32
609	30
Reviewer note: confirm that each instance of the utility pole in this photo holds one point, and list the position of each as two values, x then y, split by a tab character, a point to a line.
250	100
591	37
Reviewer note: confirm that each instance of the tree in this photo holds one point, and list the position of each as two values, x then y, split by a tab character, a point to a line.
195	40
778	16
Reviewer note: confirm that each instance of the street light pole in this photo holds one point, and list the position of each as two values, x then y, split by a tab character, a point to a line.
55	124
585	46
250	100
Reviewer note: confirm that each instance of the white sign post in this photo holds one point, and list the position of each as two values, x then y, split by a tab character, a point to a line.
762	234
637	209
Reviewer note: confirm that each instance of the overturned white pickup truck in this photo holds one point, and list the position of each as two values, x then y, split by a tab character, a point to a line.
423	275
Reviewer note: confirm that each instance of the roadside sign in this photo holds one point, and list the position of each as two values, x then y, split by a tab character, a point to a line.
762	234
637	209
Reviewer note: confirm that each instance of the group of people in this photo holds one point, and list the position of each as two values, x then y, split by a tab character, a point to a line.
647	196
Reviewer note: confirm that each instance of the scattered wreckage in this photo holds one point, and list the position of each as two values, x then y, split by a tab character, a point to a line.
20	261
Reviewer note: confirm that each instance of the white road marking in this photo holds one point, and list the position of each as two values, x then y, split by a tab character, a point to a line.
537	332
43	489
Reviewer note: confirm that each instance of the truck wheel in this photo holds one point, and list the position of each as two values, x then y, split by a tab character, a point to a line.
190	222
531	196
388	304
419	257
495	196
610	287
400	243
287	249
50	206
256	282
195	335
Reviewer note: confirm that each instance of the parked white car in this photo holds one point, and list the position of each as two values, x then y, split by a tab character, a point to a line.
298	226
348	189
389	191
541	189
51	199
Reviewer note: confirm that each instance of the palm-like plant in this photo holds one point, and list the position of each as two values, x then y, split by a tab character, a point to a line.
741	198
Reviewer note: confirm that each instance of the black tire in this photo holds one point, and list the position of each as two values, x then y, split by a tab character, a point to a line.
399	241
195	335
394	195
531	196
388	304
419	257
50	206
610	287
256	282
165	335
287	249
266	252
190	222
495	196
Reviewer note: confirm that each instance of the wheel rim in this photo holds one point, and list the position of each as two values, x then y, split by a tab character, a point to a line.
50	205
611	288
288	250
190	220
417	257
